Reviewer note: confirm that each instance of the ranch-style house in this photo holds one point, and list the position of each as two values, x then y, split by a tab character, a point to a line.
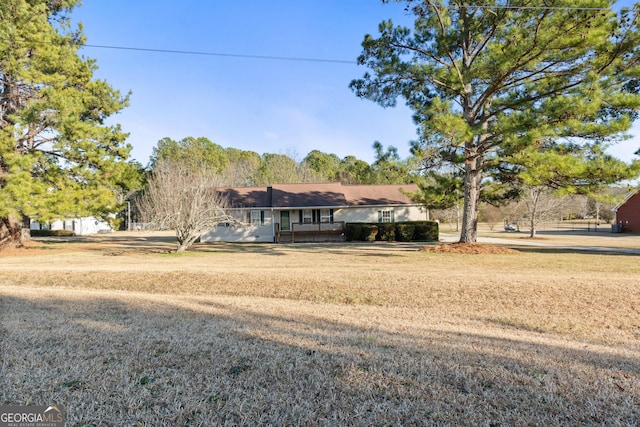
311	212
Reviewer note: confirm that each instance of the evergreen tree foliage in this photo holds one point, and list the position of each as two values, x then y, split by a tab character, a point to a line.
349	170
326	165
200	153
491	80
240	168
355	171
387	167
58	156
570	168
243	167
439	190
277	169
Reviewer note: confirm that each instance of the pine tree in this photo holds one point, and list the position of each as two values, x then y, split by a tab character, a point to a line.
488	80
58	157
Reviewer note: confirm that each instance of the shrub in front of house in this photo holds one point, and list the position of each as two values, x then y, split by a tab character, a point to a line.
368	232
352	231
360	231
405	231
426	231
386	232
414	231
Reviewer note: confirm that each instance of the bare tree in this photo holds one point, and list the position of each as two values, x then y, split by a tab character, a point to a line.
541	205
181	198
491	215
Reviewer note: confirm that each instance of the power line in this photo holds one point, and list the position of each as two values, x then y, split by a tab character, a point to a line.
229	55
567	8
324	60
516	7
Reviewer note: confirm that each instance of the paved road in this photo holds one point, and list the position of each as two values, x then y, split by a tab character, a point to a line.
451	238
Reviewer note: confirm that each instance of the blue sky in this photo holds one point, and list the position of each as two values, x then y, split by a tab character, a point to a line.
263	105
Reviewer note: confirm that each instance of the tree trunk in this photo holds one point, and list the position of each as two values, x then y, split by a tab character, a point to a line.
533	211
183	243
472	181
533	221
185	240
10	233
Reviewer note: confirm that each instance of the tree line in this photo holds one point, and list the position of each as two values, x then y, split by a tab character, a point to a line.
244	168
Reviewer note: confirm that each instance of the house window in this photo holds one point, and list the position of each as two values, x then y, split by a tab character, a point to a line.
386	216
307	216
257	218
325	215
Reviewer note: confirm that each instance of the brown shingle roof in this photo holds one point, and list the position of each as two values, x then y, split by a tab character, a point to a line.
358	195
319	195
308	195
248	197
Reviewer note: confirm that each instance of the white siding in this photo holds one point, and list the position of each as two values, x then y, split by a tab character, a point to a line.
79	226
221	233
265	233
241	233
370	214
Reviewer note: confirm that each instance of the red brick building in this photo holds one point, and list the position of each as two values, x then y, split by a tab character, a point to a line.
628	213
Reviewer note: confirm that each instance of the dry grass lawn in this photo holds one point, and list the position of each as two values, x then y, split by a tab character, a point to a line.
121	332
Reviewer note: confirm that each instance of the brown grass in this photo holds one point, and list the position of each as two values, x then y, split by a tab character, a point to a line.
123	333
467	248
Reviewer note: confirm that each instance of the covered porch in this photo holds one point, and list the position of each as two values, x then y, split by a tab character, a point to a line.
311	232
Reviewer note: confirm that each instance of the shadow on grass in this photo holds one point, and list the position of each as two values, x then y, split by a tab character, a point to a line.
337	248
116	244
111	241
139	360
561	250
119	244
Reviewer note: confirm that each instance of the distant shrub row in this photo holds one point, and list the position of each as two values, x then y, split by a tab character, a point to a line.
414	231
48	233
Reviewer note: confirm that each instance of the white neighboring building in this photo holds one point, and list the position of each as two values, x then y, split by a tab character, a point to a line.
79	226
311	212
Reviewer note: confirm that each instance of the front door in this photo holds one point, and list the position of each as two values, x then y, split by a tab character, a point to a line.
285	223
